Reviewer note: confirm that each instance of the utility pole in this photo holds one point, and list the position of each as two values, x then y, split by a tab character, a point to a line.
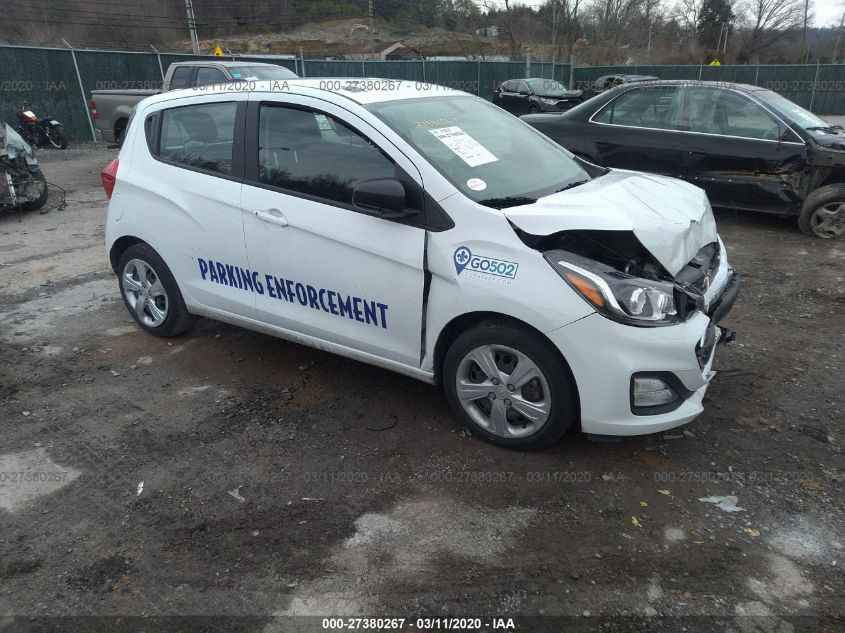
554	27
648	48
727	32
372	31
838	39
804	52
192	27
719	41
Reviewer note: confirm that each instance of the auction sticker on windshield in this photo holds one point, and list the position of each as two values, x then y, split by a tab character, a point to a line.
467	148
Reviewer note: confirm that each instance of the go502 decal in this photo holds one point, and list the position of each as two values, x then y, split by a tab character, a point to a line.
482	266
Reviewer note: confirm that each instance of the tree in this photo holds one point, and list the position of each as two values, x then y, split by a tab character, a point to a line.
714	17
768	21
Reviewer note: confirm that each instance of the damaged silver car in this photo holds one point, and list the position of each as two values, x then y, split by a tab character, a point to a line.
23	184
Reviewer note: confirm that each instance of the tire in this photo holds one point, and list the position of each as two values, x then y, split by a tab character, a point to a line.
823	213
45	193
57	137
120	132
533	109
143	275
513	349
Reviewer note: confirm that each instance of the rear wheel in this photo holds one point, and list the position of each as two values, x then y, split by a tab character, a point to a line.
56	136
533	109
823	213
150	292
508	386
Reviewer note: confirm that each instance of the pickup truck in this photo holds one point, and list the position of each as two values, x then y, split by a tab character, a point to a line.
111	109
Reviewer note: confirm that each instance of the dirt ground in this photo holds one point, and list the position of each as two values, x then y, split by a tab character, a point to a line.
227	473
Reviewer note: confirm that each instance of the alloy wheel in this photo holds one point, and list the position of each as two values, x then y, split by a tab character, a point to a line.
828	220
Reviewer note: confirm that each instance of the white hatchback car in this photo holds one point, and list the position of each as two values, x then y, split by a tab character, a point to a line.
429	232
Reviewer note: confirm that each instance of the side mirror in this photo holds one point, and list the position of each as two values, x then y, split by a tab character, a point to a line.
383	196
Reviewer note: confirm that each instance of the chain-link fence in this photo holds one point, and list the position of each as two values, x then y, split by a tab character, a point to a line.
58	82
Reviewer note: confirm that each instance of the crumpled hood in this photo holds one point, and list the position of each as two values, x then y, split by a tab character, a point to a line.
671	218
12	145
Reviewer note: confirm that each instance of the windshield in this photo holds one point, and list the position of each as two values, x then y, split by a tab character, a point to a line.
547	86
793	111
261	72
485	152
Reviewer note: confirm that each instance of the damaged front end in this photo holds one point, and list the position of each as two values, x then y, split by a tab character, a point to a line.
21	183
624	282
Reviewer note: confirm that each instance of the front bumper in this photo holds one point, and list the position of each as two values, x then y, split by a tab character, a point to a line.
604	356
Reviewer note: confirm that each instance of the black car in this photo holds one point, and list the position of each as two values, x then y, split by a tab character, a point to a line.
527	96
609	82
747	147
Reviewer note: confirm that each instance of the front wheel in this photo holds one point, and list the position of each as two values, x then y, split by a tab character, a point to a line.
57	137
150	292
508	385
823	213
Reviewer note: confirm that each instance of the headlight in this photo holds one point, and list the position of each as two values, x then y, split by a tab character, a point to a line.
619	296
549	101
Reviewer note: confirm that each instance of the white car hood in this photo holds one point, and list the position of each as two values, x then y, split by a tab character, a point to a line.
671	218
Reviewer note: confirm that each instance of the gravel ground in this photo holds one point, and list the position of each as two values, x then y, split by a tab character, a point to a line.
226	473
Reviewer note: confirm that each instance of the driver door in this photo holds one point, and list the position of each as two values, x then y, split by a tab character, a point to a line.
329	270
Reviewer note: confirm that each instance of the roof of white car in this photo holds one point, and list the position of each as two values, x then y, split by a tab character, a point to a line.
360	90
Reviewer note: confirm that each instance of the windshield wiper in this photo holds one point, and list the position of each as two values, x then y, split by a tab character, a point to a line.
571	185
825	128
507	201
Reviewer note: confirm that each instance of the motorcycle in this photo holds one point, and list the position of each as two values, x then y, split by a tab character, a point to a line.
22	183
40	132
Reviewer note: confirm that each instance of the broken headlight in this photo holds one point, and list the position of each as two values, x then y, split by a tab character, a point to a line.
616	295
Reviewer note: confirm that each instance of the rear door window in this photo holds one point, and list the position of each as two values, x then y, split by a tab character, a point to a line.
199	136
657	108
210	76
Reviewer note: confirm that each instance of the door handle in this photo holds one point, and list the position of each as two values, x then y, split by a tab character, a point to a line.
271	216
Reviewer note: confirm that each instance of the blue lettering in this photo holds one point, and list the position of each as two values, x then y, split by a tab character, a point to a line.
383	308
300	294
280	289
289	286
270	292
323	292
312	297
211	273
258	287
332	304
247	280
230	273
370	312
356	302
345	306
221	273
203	267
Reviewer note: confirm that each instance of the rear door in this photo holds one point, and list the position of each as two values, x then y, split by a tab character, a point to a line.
639	130
328	270
188	193
740	153
507	96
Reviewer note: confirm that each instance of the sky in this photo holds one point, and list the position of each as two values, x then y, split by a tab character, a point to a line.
828	12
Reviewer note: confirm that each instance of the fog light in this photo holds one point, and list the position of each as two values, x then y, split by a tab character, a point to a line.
651	392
